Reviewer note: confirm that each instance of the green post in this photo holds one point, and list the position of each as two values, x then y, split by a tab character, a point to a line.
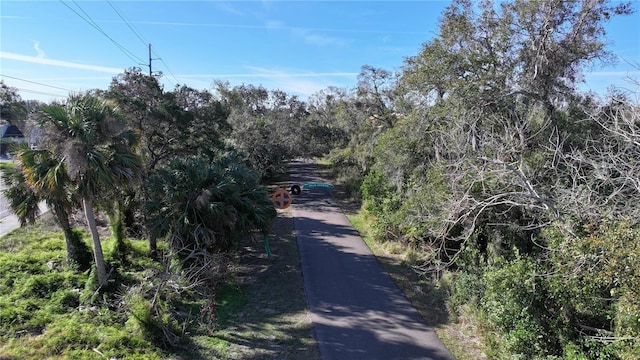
266	245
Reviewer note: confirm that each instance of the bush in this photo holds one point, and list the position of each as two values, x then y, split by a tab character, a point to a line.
202	205
598	279
467	289
517	303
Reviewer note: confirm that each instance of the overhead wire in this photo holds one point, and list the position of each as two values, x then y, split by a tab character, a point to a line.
91	22
41	92
34	82
127	23
166	66
124	49
132	28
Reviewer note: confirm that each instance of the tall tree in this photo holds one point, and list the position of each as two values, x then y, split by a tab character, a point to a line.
45	174
490	95
266	125
23	201
328	124
180	123
12	108
377	95
208	126
97	151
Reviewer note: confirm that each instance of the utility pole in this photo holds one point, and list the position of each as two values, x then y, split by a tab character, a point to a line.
150	59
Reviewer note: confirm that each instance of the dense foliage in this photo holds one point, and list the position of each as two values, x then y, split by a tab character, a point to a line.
199	205
506	184
158	165
482	156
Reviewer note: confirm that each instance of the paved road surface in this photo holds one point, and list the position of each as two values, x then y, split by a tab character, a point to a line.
357	310
8	221
4	204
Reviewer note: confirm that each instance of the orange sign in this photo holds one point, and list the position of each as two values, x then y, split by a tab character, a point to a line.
281	199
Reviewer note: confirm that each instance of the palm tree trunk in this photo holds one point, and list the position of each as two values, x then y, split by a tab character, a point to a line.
97	246
78	255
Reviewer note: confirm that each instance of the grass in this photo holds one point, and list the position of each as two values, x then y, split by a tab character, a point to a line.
49	312
266	316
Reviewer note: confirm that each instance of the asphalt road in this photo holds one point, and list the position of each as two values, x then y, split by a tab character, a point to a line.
4	204
357	311
8	221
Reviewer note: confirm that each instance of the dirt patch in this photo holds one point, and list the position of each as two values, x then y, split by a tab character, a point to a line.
274	323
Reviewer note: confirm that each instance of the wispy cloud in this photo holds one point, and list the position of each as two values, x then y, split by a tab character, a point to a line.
296	82
60	63
269	25
273	24
178	23
270	74
40	54
299	82
227	7
312	37
320	40
66	78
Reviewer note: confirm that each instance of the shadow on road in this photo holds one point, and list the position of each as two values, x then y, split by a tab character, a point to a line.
357	309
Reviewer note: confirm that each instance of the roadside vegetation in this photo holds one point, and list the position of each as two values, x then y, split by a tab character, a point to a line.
500	196
49	311
481	167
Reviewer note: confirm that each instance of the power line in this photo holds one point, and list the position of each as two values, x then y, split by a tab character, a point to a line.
137	34
95	25
41	92
87	18
91	22
33	82
167	67
127	23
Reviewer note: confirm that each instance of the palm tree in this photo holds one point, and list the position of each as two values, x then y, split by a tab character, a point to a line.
200	205
23	201
98	154
45	175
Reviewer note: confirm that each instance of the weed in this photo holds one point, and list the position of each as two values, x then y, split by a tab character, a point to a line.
49	311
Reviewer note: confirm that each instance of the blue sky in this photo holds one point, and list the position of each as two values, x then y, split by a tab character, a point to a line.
49	48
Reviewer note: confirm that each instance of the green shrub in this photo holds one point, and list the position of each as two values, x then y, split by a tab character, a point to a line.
69	334
467	289
376	191
517	303
142	321
15	314
597	278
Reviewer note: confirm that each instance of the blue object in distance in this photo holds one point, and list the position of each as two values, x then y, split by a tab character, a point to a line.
317	185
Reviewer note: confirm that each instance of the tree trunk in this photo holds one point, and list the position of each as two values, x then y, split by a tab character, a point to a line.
97	246
153	245
78	255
